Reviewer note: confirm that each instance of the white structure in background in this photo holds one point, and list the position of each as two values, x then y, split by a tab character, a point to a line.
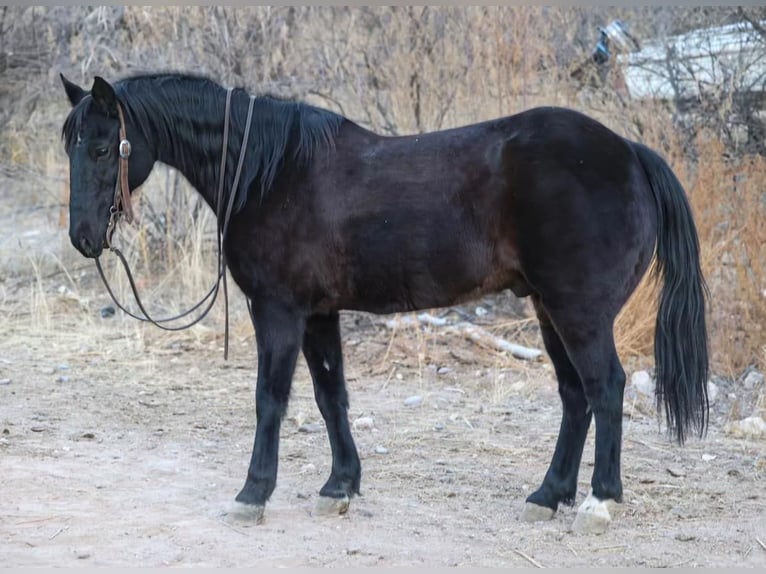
682	67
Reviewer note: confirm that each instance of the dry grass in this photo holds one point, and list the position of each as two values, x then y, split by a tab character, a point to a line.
634	327
729	200
397	70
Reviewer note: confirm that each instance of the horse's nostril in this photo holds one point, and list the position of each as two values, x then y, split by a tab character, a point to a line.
85	246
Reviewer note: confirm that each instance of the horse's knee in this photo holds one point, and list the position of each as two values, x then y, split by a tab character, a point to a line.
270	406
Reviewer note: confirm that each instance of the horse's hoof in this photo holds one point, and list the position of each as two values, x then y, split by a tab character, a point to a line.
246	513
327	506
535	513
594	516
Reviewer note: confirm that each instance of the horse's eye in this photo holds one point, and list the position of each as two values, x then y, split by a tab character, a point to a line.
102	151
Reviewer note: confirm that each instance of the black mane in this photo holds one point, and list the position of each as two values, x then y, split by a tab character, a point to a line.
169	108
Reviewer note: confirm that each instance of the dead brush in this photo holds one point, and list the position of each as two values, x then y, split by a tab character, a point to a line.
730	215
396	70
731	208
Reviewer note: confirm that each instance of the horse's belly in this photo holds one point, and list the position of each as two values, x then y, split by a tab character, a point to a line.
441	270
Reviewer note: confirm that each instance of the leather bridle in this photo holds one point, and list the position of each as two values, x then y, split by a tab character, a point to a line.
122	207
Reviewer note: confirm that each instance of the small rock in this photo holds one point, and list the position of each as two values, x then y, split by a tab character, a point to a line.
62	367
299	418
708	457
83	555
439	426
413	401
88	435
37	429
712	392
685	537
752	427
443	370
5	381
642	382
63	379
107	312
480	311
752	380
364	423
310	428
399	377
381	450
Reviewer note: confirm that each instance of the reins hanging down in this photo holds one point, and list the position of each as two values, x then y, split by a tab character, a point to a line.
122	206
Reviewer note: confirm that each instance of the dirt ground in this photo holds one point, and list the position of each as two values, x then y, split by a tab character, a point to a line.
123	446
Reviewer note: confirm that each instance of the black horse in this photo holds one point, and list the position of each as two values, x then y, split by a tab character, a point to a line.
330	216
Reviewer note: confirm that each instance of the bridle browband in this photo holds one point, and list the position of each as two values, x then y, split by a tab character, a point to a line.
122	207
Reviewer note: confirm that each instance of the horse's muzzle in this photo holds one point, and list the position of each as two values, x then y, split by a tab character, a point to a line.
87	247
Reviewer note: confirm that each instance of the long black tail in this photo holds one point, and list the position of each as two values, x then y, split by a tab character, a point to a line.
680	344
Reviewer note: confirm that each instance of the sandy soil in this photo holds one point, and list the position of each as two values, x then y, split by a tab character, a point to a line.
119	450
120	445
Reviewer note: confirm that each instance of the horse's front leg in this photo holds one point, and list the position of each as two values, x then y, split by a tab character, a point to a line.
278	334
322	349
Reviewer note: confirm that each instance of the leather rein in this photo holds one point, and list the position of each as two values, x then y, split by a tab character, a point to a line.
122	208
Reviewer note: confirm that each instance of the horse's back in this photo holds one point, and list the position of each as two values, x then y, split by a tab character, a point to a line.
545	197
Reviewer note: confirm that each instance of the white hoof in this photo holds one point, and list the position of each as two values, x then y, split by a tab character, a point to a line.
535	513
327	506
594	515
245	513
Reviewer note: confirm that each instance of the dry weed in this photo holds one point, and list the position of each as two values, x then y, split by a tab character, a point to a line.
397	70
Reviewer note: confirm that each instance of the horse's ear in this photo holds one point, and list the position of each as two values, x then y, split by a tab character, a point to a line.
74	92
103	94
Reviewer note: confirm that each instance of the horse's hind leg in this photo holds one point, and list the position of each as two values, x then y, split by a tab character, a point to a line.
589	341
604	382
560	482
322	349
278	334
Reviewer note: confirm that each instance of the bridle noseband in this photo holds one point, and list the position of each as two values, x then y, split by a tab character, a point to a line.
122	207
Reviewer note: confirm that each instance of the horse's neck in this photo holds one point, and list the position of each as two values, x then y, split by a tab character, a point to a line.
195	149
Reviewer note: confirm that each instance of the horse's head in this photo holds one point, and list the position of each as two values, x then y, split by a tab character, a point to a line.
92	140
